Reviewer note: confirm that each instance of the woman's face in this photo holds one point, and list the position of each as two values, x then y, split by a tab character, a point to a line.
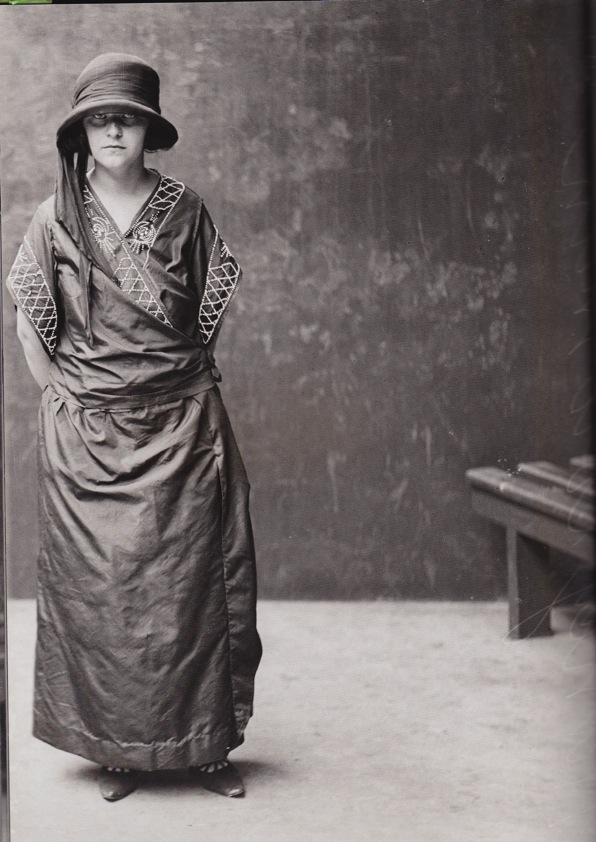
116	141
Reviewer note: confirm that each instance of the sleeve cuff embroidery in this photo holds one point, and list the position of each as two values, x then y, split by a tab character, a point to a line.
31	290
222	280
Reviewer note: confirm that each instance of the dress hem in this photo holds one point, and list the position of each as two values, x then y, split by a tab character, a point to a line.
204	748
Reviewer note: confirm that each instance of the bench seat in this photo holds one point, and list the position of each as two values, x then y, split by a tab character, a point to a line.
578	481
542	507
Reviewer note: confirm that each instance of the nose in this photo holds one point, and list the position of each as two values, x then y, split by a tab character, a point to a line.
114	127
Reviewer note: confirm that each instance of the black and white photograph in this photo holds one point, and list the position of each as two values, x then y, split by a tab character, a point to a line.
297	428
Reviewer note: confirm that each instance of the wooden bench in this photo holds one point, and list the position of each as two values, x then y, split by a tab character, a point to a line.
542	507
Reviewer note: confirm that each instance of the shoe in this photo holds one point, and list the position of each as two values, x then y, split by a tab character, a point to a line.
116	785
223	781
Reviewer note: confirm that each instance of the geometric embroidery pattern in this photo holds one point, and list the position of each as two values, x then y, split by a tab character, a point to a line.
31	290
166	195
130	280
143	233
221	282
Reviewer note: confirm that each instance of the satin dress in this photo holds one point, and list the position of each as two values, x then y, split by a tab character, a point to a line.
147	645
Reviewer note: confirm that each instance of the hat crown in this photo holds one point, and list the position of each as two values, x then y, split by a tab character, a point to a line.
118	81
120	77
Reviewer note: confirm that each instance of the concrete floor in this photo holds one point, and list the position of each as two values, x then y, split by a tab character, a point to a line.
409	722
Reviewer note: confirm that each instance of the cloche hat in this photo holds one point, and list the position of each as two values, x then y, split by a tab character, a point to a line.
121	83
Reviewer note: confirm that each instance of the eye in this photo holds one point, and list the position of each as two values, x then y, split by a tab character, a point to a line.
101	119
97	119
131	119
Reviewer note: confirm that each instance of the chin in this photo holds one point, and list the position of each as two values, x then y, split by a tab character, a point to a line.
114	162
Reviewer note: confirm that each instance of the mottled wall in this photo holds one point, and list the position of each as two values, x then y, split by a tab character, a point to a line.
404	185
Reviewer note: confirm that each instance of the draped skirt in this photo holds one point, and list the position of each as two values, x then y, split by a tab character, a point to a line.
147	644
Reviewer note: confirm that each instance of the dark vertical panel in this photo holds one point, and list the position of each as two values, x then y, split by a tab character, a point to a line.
590	116
3	677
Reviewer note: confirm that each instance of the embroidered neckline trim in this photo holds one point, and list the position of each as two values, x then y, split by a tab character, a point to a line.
143	232
126	274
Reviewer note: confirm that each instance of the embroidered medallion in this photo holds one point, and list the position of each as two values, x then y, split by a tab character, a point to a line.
142	235
103	233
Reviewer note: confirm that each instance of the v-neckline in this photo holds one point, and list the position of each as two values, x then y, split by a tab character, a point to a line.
138	215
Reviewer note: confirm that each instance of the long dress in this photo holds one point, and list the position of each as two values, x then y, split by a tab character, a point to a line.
147	646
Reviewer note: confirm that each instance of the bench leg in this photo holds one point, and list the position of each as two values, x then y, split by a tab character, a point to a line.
530	585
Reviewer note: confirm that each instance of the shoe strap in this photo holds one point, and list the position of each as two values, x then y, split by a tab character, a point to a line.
213	767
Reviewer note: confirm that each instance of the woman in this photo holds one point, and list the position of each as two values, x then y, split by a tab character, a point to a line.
147	645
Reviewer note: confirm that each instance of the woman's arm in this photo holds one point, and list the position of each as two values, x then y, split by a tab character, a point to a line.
35	355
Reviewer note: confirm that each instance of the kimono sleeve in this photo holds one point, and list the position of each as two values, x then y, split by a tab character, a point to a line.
216	275
31	281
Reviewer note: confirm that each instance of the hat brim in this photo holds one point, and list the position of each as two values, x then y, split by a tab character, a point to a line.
163	133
